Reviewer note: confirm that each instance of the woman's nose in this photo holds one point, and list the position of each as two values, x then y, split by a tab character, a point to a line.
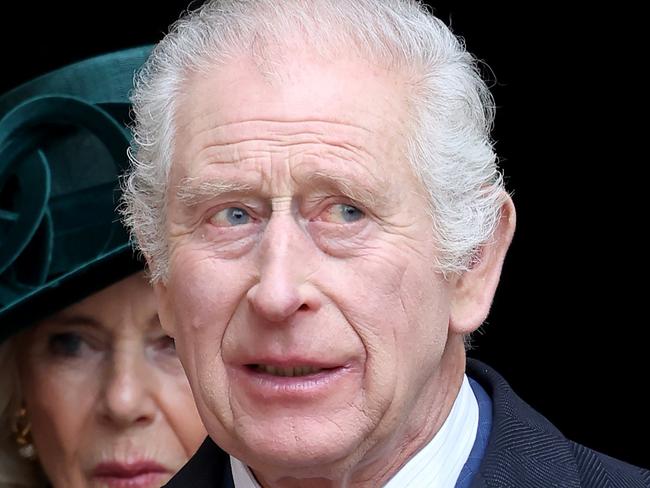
128	395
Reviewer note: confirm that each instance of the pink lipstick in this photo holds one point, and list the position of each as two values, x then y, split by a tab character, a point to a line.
141	474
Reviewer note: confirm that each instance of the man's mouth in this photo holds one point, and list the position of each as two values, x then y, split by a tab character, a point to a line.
290	371
292	379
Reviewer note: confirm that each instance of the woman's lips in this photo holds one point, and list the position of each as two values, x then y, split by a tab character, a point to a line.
141	474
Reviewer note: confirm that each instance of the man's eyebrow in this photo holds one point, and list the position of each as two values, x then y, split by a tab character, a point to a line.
365	195
193	191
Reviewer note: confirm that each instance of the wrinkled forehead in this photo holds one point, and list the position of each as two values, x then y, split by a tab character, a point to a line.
353	101
312	110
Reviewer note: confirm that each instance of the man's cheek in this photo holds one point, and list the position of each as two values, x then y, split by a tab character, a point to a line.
376	278
396	279
199	281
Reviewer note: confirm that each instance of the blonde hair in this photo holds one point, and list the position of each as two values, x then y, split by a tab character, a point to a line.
15	471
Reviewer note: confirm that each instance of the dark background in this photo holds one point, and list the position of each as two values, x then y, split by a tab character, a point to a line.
567	328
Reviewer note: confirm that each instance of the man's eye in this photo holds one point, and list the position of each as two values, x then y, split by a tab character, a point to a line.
230	216
341	213
65	344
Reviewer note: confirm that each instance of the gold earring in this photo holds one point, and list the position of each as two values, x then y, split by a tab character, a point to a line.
22	433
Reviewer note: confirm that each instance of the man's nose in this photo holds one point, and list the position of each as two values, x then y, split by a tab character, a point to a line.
287	259
128	392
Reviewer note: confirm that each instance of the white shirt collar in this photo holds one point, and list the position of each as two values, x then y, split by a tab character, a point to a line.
242	475
436	465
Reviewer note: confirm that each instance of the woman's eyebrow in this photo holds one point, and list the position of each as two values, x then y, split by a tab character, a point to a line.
154	321
74	319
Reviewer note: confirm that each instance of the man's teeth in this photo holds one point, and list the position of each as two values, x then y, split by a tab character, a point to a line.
295	371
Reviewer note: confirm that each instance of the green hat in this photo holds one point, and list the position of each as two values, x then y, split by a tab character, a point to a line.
63	143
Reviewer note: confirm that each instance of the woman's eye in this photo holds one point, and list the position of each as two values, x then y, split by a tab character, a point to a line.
65	344
341	213
230	216
166	344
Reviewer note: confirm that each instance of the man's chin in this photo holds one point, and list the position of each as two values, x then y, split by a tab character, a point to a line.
303	449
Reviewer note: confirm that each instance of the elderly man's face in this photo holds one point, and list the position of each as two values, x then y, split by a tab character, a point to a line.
302	289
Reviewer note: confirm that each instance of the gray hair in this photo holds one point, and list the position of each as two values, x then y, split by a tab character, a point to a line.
451	107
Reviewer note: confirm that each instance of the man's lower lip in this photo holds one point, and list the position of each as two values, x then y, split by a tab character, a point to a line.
271	386
144	480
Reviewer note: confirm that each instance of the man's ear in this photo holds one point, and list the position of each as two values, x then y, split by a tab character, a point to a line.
472	291
163	303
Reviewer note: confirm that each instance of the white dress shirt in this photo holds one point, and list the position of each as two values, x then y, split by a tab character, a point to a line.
436	465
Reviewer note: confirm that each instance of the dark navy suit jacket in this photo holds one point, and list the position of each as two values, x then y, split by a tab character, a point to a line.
524	451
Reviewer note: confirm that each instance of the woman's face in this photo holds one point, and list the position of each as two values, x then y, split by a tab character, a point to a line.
106	394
